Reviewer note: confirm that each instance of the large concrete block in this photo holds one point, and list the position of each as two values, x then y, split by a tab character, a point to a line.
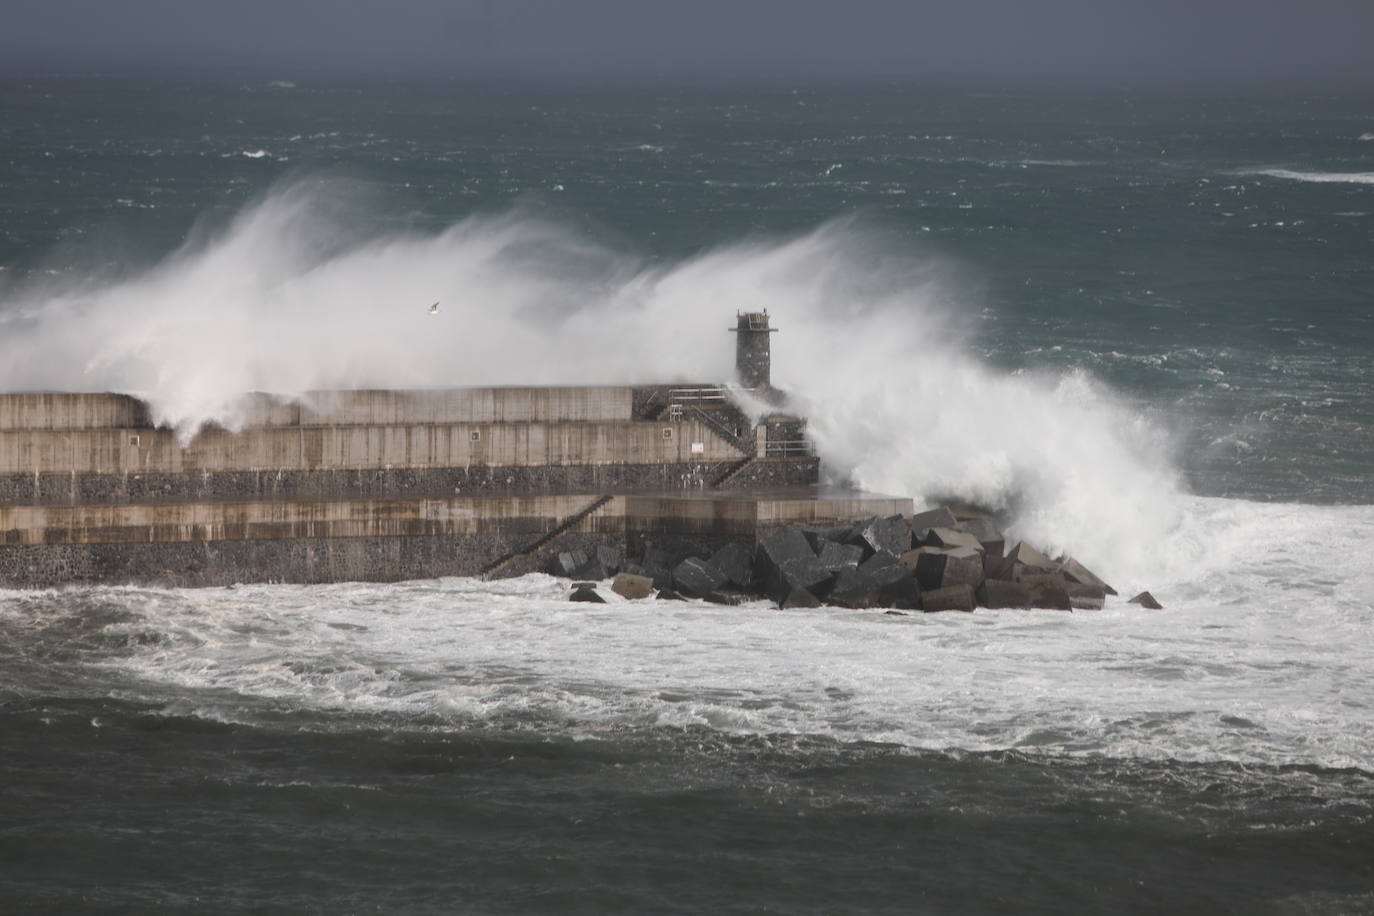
954	598
800	572
629	585
737	562
1048	591
890	535
896	583
1003	593
586	591
941	567
837	557
951	537
697	578
988	533
1086	597
855	588
1075	571
922	522
799	598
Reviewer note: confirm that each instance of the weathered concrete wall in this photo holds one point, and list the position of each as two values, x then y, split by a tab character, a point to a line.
84	451
72	489
29	525
57	410
71	411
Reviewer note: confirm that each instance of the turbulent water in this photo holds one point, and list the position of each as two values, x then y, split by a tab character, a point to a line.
1140	324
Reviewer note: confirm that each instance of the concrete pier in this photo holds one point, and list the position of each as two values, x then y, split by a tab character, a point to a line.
387	485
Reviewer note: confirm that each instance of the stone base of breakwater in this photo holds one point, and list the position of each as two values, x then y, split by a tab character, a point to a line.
945	559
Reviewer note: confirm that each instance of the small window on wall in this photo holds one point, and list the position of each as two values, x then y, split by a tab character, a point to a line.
476	435
668	433
133	440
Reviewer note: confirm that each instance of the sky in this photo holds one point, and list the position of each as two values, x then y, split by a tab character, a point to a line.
1303	43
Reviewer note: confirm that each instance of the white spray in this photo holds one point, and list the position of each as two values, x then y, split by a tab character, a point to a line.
287	300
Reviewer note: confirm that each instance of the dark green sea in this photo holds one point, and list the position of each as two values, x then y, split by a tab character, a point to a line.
1141	323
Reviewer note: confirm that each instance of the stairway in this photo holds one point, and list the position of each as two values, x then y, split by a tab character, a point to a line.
572	521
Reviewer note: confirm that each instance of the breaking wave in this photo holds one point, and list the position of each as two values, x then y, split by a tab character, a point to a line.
290	298
1317	177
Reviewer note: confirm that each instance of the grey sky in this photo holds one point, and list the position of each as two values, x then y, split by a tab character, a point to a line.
1296	42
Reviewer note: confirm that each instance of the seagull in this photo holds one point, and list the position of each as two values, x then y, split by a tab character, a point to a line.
434	309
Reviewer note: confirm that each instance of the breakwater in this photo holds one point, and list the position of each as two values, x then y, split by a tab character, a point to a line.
389	485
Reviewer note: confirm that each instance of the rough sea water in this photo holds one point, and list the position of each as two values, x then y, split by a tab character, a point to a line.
1141	324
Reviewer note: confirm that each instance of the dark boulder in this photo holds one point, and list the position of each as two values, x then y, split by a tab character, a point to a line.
954	598
896	585
1003	593
890	535
1148	601
1049	591
737	563
922	522
1075	571
799	598
855	588
586	591
667	594
611	558
1087	597
568	562
837	557
941	567
802	572
952	537
988	534
1023	560
697	577
629	585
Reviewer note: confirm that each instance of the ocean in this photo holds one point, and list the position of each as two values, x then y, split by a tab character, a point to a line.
1139	323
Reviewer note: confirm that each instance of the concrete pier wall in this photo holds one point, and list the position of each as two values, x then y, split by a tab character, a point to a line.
378	485
60	410
141	450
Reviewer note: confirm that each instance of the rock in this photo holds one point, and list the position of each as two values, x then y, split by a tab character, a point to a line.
785	561
890	535
777	548
737	563
836	557
1048	591
1087	597
611	558
667	594
568	563
799	598
988	534
1146	600
896	584
1075	571
954	598
952	537
697	577
855	588
1003	593
662	576
1023	560
593	570
895	613
585	591
941	567
634	587
922	522
819	538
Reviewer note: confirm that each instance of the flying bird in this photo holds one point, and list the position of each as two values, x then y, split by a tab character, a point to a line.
434	309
